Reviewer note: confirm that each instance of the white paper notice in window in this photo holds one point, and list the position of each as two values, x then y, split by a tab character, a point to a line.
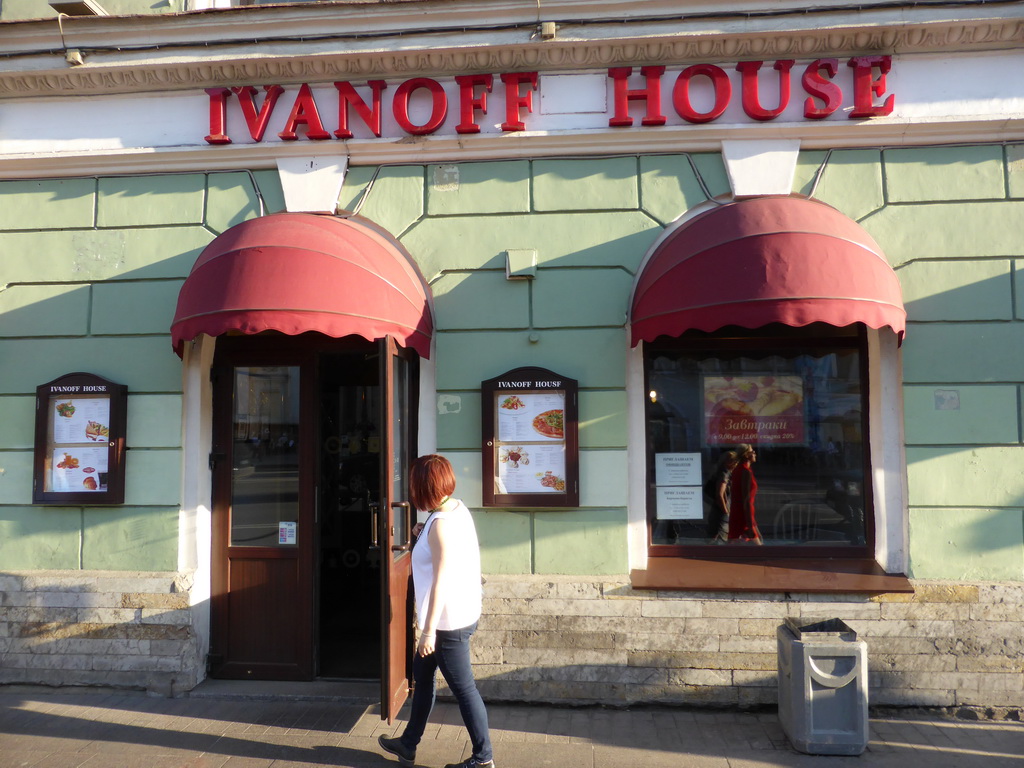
677	469
680	503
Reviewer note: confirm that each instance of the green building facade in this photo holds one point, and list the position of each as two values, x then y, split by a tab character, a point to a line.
97	242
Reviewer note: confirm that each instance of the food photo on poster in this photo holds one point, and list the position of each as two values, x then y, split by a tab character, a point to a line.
80	468
536	468
80	420
529	417
762	409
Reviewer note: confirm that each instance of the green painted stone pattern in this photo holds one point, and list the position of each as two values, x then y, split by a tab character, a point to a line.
92	269
960	415
89	281
948	290
477	188
851	181
945	173
967	544
39	538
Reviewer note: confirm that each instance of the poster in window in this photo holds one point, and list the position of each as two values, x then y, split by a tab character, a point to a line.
763	409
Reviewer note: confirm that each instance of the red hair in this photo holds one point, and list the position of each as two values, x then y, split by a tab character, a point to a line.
431	481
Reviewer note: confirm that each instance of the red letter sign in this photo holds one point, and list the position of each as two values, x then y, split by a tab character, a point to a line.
865	88
304	112
257	122
651	94
515	101
820	87
218	115
439	107
751	99
347	96
470	102
681	93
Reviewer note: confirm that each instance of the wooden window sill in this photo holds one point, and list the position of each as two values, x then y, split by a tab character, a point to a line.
774	575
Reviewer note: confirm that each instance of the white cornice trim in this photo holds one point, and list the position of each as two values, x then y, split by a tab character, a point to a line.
416	52
440	149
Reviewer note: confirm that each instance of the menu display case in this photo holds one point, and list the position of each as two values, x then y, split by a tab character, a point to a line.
80	441
530	440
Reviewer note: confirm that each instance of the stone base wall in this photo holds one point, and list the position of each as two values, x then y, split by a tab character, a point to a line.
568	640
98	628
575	641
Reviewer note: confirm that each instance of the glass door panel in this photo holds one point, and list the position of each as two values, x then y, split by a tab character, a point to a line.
400	452
265	459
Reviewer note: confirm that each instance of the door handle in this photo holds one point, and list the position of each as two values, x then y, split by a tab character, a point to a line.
407	513
374	515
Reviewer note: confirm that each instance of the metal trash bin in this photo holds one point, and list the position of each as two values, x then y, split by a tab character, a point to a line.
823	689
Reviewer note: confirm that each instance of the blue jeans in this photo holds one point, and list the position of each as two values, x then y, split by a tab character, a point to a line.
452	658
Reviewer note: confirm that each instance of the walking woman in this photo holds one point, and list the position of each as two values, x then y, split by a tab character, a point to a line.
742	523
446	580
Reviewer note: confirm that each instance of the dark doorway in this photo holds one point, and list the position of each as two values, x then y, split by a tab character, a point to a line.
312	439
350	560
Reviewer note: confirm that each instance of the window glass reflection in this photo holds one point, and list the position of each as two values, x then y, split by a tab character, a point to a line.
801	411
399	447
265	464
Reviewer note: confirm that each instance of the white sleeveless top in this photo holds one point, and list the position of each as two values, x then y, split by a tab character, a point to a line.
462	593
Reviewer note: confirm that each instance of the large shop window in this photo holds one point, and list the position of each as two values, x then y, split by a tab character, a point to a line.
757	319
800	403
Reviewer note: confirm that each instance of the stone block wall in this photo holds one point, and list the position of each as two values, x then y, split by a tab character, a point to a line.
98	628
566	640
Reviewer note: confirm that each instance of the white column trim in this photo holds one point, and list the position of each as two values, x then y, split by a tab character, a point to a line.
888	455
636	458
761	167
311	184
195	528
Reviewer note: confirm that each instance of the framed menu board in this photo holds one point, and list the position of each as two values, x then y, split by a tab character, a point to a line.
80	441
530	440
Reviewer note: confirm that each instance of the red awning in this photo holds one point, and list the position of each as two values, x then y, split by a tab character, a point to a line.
298	272
765	260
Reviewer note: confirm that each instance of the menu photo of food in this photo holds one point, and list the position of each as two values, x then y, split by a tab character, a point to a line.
81	420
531	469
82	469
764	409
531	417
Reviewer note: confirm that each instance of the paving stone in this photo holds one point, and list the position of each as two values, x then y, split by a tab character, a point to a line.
135	731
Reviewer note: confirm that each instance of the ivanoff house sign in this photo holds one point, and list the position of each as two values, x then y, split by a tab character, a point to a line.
651	96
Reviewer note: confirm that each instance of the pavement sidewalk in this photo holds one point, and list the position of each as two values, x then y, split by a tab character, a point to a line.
206	730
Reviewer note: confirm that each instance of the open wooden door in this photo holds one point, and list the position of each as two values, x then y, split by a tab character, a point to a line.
395	520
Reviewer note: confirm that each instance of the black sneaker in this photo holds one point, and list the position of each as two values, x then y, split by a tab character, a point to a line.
471	762
405	755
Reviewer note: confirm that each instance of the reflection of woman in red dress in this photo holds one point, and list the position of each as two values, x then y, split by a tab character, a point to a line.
742	525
